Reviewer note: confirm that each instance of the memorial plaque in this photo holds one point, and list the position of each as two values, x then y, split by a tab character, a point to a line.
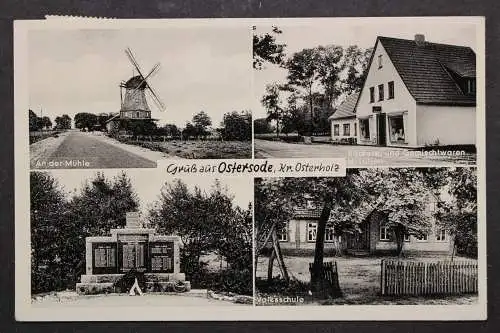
104	258
132	219
133	250
162	257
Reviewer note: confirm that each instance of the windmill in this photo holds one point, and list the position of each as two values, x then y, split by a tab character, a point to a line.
134	104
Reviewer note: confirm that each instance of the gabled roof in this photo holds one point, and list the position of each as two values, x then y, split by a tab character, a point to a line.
347	108
427	69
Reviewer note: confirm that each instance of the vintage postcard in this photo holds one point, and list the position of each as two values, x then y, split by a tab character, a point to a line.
250	169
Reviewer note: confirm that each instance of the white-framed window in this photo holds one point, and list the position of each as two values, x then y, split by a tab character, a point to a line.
380	61
283	233
432	206
347	129
364	128
384	233
312	228
441	235
380	92
355	129
390	90
372	94
336	130
396	128
423	238
406	237
329	234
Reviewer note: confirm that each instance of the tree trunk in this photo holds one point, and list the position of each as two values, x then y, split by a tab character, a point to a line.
310	125
399	232
270	267
316	273
279	256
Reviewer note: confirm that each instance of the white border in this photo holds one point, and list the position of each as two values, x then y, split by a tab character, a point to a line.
23	309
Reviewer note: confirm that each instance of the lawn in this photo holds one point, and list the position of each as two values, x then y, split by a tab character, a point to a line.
196	149
359	279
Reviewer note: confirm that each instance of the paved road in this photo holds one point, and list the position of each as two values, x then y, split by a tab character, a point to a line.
95	150
355	155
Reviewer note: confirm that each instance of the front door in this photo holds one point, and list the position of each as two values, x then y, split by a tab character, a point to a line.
381	129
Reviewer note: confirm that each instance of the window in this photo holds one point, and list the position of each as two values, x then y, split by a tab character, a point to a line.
137	114
329	234
396	128
283	233
336	130
364	128
372	94
312	227
441	235
406	238
347	129
380	92
310	204
380	61
422	238
390	88
355	129
471	86
384	233
432	206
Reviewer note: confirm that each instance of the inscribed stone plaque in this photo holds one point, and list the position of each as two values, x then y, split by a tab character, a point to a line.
104	258
162	257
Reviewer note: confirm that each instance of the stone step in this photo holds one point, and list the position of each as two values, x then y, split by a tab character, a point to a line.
152	277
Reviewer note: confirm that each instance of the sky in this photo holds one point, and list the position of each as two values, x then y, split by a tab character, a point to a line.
202	68
148	184
355	32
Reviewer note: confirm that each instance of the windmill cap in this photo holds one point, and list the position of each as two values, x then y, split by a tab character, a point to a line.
135	81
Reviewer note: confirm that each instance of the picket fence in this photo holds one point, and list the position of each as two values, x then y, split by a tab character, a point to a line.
409	278
329	280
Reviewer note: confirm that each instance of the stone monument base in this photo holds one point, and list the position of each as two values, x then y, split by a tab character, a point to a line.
155	282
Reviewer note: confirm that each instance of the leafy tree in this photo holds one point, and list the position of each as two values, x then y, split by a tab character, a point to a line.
201	122
331	63
85	120
189	131
458	215
272	102
33	121
48	207
44	122
139	126
237	126
357	61
262	126
63	122
266	49
402	197
170	130
303	72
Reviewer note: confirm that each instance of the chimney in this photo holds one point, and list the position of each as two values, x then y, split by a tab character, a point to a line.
419	39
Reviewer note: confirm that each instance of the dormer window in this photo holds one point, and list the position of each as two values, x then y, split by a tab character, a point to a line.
379	61
310	204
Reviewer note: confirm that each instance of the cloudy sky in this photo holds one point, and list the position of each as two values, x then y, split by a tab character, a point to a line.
148	184
202	68
363	33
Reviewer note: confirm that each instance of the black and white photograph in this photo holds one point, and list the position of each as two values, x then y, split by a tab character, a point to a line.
135	238
392	93
126	98
405	236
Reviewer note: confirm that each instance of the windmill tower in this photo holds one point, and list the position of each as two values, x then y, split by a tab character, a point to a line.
134	104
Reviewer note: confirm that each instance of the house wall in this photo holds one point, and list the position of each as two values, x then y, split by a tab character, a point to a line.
448	125
402	102
351	121
297	236
431	245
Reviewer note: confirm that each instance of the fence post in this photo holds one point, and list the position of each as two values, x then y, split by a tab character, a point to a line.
382	276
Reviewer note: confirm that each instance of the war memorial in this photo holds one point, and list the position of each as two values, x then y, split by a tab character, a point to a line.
132	249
